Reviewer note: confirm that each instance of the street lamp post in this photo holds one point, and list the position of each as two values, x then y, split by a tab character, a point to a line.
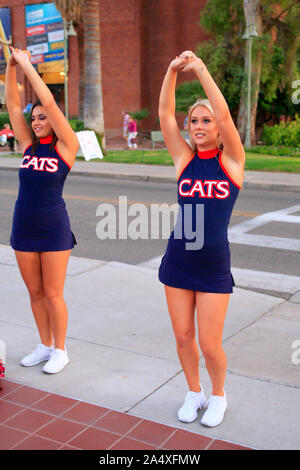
250	32
68	31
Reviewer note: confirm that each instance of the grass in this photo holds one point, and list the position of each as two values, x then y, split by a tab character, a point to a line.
254	161
149	157
258	162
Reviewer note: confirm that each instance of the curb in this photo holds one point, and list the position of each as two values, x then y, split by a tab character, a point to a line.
271	186
167	179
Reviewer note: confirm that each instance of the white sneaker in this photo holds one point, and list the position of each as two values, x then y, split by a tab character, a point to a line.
215	411
40	354
192	403
58	360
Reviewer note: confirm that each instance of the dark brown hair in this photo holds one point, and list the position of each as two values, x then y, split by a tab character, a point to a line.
35	140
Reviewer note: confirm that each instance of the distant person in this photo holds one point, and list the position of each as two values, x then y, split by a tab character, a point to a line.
125	125
7	135
27	108
132	129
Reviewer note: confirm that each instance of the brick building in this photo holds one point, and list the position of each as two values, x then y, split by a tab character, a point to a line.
138	39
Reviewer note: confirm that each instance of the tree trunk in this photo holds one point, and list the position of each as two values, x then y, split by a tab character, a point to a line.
256	64
93	102
71	11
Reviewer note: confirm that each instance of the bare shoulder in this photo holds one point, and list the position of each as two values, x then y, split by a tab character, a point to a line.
183	161
234	167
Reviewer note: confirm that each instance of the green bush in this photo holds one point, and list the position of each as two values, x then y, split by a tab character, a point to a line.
76	124
140	115
281	151
4	118
285	133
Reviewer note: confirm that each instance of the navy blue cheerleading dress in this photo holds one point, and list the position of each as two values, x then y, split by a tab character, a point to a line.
197	256
40	220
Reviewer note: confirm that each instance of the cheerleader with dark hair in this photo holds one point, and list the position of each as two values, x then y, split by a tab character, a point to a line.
41	233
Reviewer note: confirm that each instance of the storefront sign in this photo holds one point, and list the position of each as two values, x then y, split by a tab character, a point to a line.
45	36
5	38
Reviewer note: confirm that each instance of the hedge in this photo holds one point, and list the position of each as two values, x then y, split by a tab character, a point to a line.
284	133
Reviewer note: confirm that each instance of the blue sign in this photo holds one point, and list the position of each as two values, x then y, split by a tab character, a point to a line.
41	13
5	36
45	35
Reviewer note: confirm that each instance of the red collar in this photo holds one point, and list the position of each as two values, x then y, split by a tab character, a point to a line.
208	153
46	140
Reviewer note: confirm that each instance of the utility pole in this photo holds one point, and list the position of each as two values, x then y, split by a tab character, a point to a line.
250	7
68	31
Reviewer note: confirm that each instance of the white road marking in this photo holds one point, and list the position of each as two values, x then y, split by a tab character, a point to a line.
251	278
238	233
266	280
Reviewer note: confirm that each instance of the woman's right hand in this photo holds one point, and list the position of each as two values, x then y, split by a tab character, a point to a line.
178	63
19	57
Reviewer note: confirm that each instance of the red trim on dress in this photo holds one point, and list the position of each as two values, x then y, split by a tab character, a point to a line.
46	140
226	172
208	153
62	158
27	149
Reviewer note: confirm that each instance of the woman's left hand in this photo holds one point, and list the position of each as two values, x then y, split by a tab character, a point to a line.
191	60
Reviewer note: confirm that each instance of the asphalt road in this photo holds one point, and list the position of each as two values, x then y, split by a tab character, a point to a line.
85	195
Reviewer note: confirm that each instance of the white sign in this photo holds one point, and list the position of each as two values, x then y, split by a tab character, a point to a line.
38	48
89	145
56	35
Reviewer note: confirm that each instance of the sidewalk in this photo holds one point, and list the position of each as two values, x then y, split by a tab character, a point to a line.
166	174
124	383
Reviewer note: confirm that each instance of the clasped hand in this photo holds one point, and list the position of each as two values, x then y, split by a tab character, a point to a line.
185	62
19	56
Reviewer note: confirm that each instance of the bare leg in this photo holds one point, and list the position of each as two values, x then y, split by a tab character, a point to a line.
54	268
30	268
181	305
211	312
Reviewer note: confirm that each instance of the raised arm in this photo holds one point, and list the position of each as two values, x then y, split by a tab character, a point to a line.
233	147
67	139
177	146
13	103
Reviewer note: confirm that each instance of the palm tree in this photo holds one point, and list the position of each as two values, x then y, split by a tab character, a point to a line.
71	11
93	102
86	13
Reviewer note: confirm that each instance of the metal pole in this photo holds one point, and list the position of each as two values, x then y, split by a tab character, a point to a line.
66	70
248	125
